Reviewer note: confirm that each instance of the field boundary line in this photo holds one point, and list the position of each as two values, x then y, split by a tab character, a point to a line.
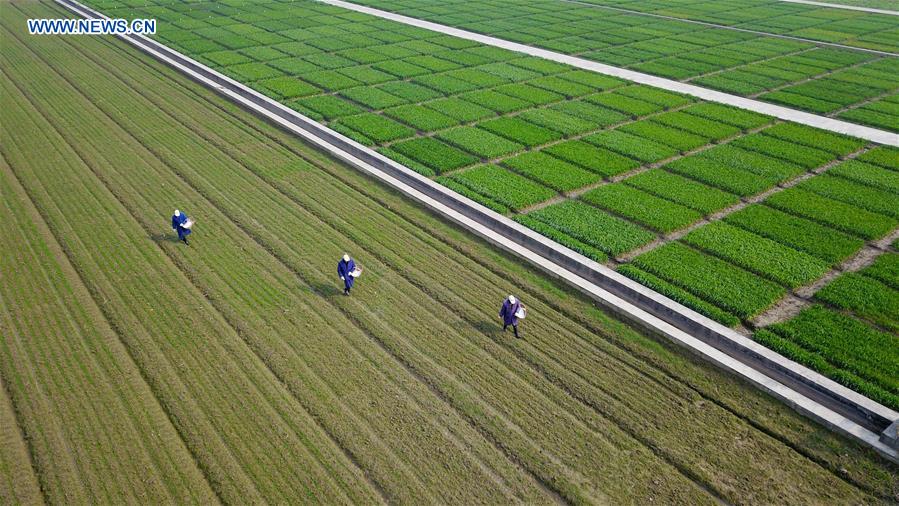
822	399
859	8
785	113
734	28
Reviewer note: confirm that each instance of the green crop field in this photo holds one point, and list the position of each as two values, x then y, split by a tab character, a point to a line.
742	55
135	369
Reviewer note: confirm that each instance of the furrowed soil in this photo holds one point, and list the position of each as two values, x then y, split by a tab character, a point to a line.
283	390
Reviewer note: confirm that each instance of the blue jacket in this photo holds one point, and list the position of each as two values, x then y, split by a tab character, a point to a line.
344	269
507	312
177	222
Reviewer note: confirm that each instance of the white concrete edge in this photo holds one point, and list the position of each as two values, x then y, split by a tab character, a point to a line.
844	7
609	300
784	113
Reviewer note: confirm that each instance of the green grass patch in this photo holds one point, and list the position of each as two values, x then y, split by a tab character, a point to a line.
459	109
702	127
376	127
421	118
630	106
868	174
520	131
287	87
884	156
666	99
565	124
885	269
373	98
496	101
730	115
411	92
839	215
679	295
678	139
593	226
330	80
803	156
644	208
599	116
864	296
329	106
857	194
480	142
820	139
501	185
434	154
798	233
721	175
562	238
757	163
684	191
729	287
636	147
552	172
601	161
758	254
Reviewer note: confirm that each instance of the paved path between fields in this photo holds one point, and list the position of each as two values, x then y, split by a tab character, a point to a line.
785	113
734	28
846	7
802	395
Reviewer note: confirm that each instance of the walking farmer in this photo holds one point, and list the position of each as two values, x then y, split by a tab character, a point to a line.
511	312
348	272
181	224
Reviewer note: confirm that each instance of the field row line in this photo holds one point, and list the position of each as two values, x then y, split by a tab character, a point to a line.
785	113
733	28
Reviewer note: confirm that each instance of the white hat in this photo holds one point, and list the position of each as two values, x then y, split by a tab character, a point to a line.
177	212
512	299
346	258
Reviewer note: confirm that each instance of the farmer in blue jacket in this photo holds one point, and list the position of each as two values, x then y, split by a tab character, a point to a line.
179	220
509	313
345	268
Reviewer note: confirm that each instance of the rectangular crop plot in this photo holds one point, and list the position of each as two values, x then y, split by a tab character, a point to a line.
434	154
373	98
563	123
868	174
420	117
804	156
729	287
884	156
287	87
459	109
841	347
687	192
771	259
600	116
813	137
702	127
678	294
601	161
654	212
593	226
839	215
480	142
633	146
628	105
496	101
730	115
508	188
815	239
550	171
864	296
885	269
857	194
756	163
378	128
329	106
721	175
678	139
521	131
